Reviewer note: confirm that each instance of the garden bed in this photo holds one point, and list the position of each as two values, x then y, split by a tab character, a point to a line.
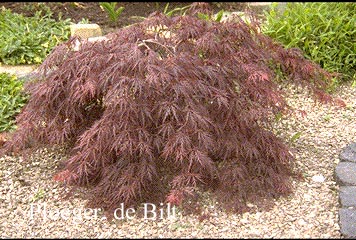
91	11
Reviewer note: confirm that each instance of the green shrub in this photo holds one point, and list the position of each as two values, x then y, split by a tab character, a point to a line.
324	31
12	99
28	40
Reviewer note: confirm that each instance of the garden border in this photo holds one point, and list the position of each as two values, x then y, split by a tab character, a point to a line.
345	173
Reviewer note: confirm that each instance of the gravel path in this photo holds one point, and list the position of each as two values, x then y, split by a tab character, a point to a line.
310	212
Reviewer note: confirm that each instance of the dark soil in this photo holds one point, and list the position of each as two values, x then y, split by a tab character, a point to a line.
92	11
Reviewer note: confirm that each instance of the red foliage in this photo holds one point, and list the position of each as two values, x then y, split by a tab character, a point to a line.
198	102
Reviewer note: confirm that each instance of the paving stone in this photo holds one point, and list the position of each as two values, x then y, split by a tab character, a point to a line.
353	146
346	173
348	196
347	218
85	30
348	154
265	6
19	71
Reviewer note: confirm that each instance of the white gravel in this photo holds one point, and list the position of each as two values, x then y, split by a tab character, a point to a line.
310	212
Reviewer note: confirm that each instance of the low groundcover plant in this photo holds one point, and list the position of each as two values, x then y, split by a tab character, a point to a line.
12	99
28	40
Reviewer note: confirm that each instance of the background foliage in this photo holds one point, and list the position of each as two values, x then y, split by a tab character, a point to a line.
325	32
28	40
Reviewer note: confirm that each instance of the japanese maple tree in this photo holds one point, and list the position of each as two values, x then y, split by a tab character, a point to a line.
192	96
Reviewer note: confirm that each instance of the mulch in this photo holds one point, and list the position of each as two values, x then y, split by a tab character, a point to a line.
92	11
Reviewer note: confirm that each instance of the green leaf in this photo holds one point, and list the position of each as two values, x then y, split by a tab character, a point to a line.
219	15
203	16
278	116
166	8
295	137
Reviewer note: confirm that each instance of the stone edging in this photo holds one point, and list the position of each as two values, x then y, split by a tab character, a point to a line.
346	177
